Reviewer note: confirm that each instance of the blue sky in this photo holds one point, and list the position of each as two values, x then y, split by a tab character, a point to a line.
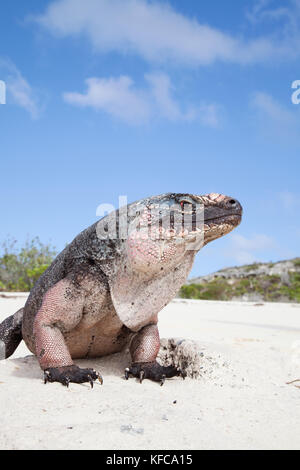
136	97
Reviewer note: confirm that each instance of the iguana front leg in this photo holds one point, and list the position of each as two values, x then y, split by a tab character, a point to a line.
144	349
60	312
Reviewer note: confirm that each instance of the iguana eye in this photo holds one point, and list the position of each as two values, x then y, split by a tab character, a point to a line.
185	201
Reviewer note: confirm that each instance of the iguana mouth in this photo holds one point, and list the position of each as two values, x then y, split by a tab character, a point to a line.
223	217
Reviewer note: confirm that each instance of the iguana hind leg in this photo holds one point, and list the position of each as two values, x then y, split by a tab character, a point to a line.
61	311
144	349
10	334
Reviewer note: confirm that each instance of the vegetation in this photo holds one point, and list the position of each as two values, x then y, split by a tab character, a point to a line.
293	291
268	288
251	267
21	267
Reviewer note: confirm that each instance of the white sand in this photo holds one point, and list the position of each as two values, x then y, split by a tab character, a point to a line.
243	404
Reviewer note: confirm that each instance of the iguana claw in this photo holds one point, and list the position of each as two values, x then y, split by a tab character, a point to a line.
142	376
67	374
46	376
91	381
152	371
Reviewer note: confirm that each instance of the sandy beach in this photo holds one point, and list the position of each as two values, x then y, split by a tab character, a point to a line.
241	401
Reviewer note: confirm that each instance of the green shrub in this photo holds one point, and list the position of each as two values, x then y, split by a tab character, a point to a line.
293	290
212	290
21	267
270	288
251	267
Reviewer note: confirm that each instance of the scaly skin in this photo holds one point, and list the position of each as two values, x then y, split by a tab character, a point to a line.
100	294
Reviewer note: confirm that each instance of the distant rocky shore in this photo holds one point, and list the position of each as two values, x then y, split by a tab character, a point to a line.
277	282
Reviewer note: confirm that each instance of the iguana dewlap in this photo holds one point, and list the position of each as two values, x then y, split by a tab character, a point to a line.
106	288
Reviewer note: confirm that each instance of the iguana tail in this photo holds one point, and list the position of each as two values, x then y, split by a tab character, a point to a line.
10	334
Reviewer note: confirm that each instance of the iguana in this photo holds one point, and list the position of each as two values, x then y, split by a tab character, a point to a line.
103	292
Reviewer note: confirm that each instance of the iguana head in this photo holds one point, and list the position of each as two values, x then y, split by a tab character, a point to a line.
163	228
221	215
147	248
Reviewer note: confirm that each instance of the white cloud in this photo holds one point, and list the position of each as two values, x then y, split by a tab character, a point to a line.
271	107
247	250
120	98
289	200
209	115
275	119
254	13
116	96
285	21
256	243
18	88
156	32
161	89
288	13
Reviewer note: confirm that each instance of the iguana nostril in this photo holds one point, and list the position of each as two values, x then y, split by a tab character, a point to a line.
232	202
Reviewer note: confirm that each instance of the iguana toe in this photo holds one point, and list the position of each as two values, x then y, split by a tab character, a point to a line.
152	371
67	374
